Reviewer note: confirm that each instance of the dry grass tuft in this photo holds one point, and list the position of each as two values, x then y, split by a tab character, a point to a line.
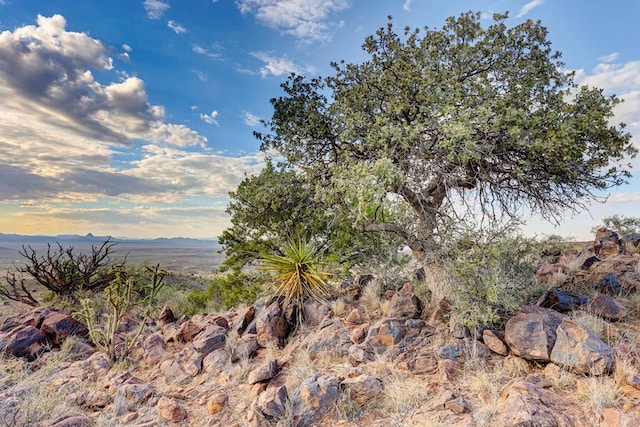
596	394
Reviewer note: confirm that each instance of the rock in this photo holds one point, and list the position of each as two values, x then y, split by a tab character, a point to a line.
245	319
405	303
588	262
316	396
458	405
245	347
264	373
24	341
212	338
273	401
359	333
187	331
609	285
68	421
441	311
612	417
329	337
494	342
532	333
563	301
389	331
523	402
166	315
216	361
360	353
154	347
193	362
221	321
607	307
631	242
354	317
173	371
448	369
271	326
93	399
363	388
580	350
131	416
59	325
135	394
170	410
314	312
216	403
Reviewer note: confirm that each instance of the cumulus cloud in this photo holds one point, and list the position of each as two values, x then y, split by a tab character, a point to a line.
177	28
62	131
307	20
250	119
278	66
210	118
407	5
155	8
528	7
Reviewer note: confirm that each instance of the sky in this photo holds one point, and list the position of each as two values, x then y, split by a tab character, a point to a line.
135	118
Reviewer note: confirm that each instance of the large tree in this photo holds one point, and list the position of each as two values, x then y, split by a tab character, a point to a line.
445	121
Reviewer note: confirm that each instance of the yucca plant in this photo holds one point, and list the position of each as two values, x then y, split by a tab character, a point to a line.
298	275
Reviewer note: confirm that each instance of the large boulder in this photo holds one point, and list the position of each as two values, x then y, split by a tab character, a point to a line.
24	341
531	402
532	333
405	303
329	337
579	349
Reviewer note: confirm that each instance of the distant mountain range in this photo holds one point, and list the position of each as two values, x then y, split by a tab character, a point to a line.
90	239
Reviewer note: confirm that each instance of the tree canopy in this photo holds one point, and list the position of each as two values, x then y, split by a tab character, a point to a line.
442	122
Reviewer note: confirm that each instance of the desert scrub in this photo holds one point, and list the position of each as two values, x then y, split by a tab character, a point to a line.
224	292
491	275
120	301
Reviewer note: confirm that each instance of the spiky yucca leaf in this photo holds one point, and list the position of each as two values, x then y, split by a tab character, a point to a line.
298	276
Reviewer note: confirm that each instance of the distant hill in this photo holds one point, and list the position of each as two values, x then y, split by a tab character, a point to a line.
90	239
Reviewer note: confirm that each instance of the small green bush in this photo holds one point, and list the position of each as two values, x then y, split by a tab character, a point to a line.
223	293
492	275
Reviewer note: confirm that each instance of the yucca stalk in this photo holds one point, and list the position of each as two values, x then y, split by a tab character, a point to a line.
298	276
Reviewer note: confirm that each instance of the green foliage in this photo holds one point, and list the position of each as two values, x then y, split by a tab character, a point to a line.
466	115
621	224
297	273
224	291
492	274
120	301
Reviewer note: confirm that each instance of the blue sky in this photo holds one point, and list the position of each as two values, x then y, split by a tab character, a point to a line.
135	117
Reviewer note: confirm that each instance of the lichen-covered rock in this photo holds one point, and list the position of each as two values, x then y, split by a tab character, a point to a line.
579	349
532	333
316	396
271	326
273	401
212	338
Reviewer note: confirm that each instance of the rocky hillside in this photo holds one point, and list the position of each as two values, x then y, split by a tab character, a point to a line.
371	359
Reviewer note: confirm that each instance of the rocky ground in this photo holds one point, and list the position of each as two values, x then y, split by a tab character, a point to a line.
568	359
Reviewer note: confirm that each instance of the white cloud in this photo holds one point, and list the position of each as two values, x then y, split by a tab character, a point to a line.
127	48
62	131
201	75
210	118
307	20
612	57
278	66
407	5
196	48
528	7
250	119
155	8
177	28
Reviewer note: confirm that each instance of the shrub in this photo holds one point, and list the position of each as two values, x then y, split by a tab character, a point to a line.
223	292
492	274
119	300
298	277
64	272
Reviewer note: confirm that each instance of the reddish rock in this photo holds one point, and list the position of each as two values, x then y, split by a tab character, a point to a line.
216	403
166	315
271	326
154	347
245	319
316	396
187	331
405	304
494	342
532	333
24	341
69	421
273	401
264	373
59	325
363	388
212	338
580	350
607	307
245	347
170	410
